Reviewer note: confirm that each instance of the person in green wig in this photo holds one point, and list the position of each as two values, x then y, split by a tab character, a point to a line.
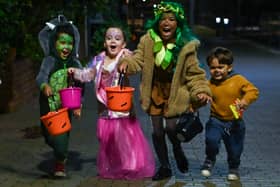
172	82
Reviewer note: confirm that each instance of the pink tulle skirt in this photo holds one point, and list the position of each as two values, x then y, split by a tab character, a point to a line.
124	152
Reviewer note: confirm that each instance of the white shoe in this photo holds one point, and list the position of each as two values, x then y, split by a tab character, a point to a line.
59	170
59	174
233	175
206	173
207	168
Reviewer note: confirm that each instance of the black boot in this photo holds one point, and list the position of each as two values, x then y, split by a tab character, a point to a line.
161	150
181	160
162	173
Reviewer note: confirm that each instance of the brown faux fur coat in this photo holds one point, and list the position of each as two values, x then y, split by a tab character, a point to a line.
188	80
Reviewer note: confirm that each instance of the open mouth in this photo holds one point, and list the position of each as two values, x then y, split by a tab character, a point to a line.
112	47
166	29
166	32
217	76
65	53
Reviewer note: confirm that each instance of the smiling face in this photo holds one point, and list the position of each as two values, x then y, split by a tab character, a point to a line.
64	45
114	41
167	27
219	71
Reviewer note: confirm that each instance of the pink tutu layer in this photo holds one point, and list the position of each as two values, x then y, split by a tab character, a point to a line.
124	152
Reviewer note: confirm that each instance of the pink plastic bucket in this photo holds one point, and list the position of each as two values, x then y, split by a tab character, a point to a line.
71	97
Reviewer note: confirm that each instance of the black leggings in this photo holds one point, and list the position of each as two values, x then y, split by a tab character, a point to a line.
158	136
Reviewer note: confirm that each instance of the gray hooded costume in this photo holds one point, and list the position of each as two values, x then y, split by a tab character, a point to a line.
53	71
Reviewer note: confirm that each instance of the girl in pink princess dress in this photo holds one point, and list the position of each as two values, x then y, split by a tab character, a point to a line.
124	152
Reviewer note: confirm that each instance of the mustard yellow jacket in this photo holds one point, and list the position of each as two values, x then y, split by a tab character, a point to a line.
227	91
188	80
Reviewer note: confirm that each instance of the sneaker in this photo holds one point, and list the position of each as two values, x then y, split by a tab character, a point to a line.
59	169
207	168
233	175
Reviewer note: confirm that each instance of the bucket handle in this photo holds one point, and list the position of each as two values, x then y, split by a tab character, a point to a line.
121	80
71	82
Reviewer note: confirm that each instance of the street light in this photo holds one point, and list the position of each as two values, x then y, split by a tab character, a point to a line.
222	24
218	20
226	21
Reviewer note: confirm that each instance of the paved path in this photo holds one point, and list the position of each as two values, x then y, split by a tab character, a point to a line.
27	162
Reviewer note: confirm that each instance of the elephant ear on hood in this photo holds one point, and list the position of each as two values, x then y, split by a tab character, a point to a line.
44	35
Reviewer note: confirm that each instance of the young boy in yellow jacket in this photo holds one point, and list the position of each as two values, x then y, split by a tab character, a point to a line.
232	94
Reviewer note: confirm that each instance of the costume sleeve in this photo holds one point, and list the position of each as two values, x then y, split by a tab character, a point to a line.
195	76
86	74
45	70
78	83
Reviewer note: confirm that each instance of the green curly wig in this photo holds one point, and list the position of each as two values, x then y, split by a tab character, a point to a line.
183	32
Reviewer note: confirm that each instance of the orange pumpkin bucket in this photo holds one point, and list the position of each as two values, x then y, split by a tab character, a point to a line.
119	98
57	122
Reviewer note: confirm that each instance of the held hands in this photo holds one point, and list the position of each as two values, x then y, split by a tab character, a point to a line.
204	98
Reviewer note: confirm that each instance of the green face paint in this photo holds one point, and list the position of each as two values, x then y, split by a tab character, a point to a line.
64	45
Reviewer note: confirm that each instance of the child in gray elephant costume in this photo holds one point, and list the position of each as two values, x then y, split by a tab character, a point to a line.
59	40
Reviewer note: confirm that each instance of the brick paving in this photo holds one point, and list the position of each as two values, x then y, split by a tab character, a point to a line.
27	162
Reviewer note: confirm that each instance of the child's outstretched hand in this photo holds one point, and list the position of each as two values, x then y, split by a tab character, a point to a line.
47	90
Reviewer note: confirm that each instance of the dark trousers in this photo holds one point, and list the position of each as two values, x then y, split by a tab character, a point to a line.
232	133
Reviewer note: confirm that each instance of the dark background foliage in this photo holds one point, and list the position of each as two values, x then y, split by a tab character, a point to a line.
21	21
